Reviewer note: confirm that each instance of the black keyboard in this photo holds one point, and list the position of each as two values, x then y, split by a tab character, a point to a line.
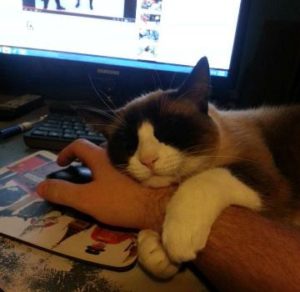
58	130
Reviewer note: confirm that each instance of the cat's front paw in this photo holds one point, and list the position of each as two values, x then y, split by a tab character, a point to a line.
183	241
153	257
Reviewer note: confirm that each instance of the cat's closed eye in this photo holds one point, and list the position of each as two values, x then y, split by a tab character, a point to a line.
176	131
168	131
127	140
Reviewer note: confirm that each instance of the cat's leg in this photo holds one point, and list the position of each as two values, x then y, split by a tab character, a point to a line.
78	4
91	4
153	257
195	206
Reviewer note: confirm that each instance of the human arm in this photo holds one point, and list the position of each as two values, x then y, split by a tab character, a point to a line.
247	252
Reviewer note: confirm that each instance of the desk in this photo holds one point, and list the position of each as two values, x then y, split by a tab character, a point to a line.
25	268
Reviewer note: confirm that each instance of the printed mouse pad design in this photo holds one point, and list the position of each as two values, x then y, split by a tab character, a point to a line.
28	218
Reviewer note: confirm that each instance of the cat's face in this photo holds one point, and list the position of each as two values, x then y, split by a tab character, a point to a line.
159	139
165	136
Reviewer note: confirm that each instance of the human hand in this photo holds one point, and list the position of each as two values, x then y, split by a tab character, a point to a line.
112	197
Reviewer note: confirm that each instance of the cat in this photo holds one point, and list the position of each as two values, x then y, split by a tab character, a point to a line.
218	158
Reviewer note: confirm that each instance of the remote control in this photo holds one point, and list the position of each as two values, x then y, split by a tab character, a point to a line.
19	105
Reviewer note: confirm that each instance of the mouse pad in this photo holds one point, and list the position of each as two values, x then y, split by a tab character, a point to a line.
27	217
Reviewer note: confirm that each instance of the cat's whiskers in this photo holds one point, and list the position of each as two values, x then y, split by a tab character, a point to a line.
207	153
115	117
160	85
199	149
121	122
110	115
93	125
105	113
172	79
238	158
111	107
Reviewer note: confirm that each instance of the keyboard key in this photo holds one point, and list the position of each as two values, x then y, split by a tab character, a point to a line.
70	136
39	133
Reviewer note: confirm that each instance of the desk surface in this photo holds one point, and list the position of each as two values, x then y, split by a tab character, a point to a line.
25	268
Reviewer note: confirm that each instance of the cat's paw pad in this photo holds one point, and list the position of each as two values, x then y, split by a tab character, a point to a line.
183	242
153	257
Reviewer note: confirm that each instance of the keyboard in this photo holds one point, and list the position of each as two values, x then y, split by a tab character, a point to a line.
58	130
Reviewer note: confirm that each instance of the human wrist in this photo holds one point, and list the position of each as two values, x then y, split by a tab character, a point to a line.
155	204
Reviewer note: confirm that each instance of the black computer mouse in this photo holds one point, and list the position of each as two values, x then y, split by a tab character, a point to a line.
74	173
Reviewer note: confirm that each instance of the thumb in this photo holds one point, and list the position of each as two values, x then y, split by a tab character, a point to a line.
60	192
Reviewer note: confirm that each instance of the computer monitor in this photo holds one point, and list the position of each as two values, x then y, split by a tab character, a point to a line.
73	48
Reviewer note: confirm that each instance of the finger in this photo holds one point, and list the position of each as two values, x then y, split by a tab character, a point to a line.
61	192
75	150
87	152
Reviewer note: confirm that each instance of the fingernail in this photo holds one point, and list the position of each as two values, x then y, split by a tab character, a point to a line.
41	188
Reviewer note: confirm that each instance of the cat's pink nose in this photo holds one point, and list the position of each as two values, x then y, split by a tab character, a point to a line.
149	161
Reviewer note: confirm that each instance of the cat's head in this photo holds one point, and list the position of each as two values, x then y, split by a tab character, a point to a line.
164	136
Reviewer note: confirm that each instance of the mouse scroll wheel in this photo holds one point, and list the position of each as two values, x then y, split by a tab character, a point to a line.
80	170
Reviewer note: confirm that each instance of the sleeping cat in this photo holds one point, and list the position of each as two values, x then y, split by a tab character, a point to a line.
217	158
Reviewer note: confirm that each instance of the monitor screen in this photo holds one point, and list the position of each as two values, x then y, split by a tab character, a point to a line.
160	35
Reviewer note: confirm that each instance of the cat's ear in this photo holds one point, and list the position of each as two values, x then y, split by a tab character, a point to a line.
99	120
197	85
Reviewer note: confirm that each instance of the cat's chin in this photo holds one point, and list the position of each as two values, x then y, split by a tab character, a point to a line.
156	181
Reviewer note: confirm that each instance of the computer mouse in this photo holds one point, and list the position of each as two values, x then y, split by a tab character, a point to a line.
74	173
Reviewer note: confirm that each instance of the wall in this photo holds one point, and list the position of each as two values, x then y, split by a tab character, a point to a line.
260	11
263	78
